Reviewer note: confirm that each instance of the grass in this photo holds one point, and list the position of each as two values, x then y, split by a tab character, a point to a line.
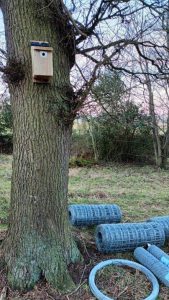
141	192
123	283
5	185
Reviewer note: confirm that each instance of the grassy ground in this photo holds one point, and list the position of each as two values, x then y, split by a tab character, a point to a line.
141	192
5	184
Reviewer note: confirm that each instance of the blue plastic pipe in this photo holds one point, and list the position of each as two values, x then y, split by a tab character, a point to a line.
159	254
93	214
153	264
112	238
122	262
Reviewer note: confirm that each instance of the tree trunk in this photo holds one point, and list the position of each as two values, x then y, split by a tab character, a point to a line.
155	130
156	137
94	144
166	137
165	143
39	240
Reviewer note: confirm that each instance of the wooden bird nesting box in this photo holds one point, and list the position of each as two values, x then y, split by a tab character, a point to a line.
42	62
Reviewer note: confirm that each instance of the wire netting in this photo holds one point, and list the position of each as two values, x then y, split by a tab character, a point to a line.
92	214
159	254
164	221
153	264
112	238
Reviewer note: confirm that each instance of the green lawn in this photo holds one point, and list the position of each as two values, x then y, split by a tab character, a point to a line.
141	192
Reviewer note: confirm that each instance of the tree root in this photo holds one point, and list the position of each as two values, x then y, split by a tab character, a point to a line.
36	258
23	274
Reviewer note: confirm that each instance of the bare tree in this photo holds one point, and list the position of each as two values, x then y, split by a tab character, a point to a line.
160	137
160	140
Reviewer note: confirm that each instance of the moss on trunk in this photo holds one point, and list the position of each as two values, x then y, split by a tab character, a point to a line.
37	257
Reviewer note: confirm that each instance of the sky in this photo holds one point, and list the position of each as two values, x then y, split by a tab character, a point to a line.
2	34
2	45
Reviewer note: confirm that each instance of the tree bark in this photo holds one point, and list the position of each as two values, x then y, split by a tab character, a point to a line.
156	137
39	241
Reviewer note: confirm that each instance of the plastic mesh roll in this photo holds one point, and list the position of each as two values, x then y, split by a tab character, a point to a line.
159	254
87	215
164	222
111	238
153	264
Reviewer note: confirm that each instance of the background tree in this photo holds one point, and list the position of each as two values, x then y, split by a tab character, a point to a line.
110	92
160	128
122	131
160	136
39	239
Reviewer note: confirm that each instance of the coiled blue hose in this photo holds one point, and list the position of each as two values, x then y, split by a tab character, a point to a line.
94	214
159	254
122	262
153	264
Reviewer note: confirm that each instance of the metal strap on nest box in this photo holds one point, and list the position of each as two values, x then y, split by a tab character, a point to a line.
39	43
42	61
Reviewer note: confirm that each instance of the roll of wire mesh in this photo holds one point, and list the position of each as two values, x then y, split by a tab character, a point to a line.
153	264
112	238
159	254
92	214
164	221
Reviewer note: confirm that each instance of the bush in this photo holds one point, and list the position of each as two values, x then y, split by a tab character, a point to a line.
81	144
6	145
123	141
6	118
81	162
126	138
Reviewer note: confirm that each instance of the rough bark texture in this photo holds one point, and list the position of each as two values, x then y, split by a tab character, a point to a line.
39	240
